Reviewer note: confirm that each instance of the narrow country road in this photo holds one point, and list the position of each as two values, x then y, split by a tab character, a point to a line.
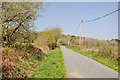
79	66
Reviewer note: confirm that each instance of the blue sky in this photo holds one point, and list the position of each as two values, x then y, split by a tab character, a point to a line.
68	15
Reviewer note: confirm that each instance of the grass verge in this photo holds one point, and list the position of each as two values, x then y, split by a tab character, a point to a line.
52	67
105	61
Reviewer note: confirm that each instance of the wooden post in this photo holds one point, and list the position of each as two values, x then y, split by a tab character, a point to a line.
68	38
80	33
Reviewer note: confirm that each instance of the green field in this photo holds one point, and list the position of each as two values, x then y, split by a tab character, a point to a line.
52	67
105	61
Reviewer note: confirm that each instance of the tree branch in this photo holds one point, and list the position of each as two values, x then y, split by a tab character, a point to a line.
19	26
10	19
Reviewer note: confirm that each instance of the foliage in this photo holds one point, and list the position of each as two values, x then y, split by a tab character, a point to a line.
62	40
21	60
18	17
21	37
49	38
53	66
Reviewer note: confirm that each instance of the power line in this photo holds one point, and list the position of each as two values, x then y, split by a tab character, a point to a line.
101	16
97	19
76	29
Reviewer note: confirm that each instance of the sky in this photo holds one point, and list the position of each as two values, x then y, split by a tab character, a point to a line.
68	15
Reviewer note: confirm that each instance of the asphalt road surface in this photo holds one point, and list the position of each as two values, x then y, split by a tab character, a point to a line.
79	66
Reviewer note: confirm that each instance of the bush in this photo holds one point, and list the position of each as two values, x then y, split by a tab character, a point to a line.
49	38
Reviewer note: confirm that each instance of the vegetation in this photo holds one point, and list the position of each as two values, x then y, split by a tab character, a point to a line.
24	49
49	38
19	56
18	17
104	48
20	60
52	67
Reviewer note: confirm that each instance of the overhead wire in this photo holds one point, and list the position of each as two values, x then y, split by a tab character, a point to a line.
76	29
101	16
96	19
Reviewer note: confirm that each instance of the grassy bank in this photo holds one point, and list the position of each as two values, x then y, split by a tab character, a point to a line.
20	60
52	67
103	60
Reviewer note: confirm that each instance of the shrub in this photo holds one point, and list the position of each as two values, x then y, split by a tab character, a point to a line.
49	38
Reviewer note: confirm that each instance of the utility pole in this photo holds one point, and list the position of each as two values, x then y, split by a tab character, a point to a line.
80	39
68	42
68	38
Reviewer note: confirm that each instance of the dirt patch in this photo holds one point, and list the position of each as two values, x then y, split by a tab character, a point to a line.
76	75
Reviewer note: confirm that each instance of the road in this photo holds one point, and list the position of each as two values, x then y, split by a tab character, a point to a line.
79	66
